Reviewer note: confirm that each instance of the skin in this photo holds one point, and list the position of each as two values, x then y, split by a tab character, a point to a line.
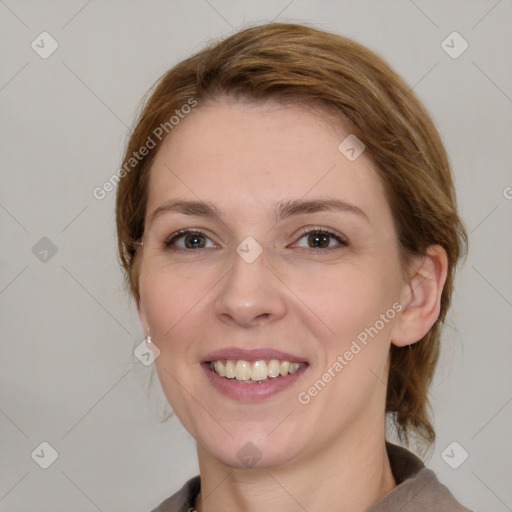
311	302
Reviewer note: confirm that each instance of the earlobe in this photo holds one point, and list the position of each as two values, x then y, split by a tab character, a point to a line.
421	297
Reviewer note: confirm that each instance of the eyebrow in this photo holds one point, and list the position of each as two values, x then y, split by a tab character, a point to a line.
282	211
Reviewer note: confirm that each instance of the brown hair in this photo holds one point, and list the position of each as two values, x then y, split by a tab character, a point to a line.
300	64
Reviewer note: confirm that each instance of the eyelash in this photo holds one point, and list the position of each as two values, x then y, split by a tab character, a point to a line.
169	243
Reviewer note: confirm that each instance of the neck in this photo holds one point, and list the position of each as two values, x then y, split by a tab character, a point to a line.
353	473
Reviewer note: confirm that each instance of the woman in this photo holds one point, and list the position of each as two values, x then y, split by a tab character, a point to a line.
288	226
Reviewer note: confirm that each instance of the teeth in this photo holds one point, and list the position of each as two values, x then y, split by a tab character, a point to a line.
220	369
273	368
243	370
257	371
293	367
229	369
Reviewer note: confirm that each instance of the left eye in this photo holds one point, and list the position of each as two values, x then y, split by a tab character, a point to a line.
321	239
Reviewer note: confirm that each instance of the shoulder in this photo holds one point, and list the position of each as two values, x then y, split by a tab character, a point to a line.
183	500
418	489
423	492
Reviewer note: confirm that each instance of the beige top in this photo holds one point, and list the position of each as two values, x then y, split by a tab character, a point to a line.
417	490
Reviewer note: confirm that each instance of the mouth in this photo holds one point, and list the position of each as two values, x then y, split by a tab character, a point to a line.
249	375
255	372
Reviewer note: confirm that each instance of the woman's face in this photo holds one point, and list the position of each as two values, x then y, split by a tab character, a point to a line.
254	281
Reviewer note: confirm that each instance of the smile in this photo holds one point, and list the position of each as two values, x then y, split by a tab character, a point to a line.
256	371
249	375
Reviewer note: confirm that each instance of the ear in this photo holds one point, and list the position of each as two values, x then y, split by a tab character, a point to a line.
421	297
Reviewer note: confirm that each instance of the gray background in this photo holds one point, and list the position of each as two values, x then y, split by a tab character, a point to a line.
68	375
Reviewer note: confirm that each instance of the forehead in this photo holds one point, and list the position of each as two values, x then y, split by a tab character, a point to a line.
244	156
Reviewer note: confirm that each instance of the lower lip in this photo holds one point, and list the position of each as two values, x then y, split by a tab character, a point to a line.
250	392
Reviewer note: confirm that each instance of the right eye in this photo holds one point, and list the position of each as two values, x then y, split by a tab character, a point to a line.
192	239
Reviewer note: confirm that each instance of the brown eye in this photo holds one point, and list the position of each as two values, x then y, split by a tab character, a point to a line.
322	239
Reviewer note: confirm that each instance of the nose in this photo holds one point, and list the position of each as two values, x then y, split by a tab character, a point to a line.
251	293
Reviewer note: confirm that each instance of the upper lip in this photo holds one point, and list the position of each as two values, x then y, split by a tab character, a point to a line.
255	354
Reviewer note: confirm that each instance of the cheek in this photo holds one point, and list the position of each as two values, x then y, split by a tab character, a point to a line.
168	295
358	307
361	312
174	311
349	298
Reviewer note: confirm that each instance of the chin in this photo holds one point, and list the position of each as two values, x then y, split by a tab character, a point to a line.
252	452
